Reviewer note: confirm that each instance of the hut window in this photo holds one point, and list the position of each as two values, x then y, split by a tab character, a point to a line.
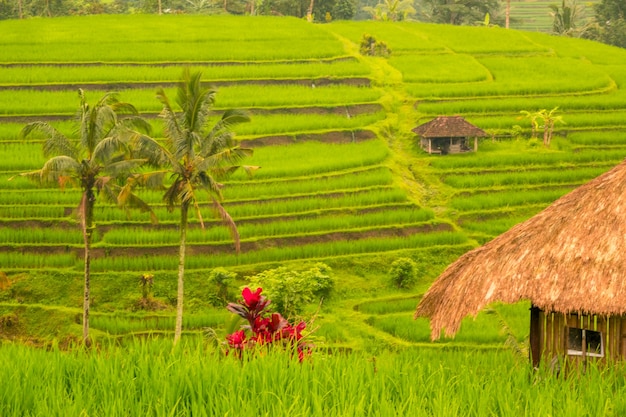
589	339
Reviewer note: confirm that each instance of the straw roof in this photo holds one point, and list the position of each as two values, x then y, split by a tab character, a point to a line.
571	257
448	127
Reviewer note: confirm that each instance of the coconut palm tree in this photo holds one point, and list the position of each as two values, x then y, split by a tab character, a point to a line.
193	158
98	162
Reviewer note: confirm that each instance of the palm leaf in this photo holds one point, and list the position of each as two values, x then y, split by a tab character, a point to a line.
173	130
123	167
56	143
229	222
59	167
126	198
106	148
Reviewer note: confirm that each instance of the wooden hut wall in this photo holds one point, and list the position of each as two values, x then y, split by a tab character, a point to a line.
554	335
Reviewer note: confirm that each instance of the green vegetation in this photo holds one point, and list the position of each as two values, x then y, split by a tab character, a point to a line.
341	181
416	382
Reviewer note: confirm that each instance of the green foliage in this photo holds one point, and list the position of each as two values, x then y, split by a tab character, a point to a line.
459	12
403	272
611	22
370	46
222	279
291	290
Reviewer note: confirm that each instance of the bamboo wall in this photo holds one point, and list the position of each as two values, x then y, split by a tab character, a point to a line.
553	333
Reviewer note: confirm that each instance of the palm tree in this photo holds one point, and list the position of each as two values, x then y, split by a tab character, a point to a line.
193	157
98	162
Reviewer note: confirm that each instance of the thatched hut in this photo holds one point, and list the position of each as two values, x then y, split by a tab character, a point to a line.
448	134
569	261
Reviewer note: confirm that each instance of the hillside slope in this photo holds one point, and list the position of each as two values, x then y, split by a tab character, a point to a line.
342	180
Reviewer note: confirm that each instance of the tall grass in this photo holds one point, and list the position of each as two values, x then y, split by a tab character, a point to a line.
290	123
35	102
508	198
120	73
287	161
584	102
148	379
524	177
440	68
284	253
120	324
155	39
528	159
280	226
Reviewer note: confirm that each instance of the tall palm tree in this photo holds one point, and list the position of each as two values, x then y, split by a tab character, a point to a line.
98	162
194	158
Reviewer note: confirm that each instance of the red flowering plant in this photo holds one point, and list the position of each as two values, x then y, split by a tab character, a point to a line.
263	328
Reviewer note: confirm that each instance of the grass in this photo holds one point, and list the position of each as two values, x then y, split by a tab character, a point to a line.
418	382
357	206
142	73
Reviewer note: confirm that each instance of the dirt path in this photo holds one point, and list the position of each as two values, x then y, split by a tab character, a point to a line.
413	174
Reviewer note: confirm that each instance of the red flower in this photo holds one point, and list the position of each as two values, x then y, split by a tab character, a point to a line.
251	299
237	340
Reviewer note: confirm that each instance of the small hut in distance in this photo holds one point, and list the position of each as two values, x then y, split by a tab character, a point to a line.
448	134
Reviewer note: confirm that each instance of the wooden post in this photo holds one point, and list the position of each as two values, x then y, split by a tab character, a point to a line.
535	335
475	144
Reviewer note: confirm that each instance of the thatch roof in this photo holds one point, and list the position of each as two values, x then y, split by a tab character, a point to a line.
448	127
571	257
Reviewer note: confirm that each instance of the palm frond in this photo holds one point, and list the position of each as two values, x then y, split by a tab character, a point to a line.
229	223
123	108
107	148
145	147
171	197
226	158
123	168
173	130
107	189
152	180
126	198
57	170
208	183
56	143
220	136
134	123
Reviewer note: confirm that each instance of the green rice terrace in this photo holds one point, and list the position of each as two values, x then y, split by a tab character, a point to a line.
342	181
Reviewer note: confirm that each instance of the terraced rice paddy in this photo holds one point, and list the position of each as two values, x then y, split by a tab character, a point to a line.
341	178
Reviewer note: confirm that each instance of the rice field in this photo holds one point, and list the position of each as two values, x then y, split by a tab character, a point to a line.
321	194
418	382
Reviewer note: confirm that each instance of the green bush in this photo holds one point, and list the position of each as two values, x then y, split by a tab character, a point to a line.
221	278
403	272
370	46
291	290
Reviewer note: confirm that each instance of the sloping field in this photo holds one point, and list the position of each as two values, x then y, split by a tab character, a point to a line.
341	179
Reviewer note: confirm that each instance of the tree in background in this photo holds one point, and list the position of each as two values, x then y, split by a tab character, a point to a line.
193	159
567	19
392	10
99	163
459	12
610	19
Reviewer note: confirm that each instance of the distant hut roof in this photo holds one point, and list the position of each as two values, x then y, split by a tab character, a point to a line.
571	257
448	127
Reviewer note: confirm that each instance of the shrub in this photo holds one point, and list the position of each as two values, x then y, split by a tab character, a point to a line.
290	290
370	46
221	278
403	272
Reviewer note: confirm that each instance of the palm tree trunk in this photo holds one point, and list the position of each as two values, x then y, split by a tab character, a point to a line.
309	12
19	9
507	14
184	211
87	206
